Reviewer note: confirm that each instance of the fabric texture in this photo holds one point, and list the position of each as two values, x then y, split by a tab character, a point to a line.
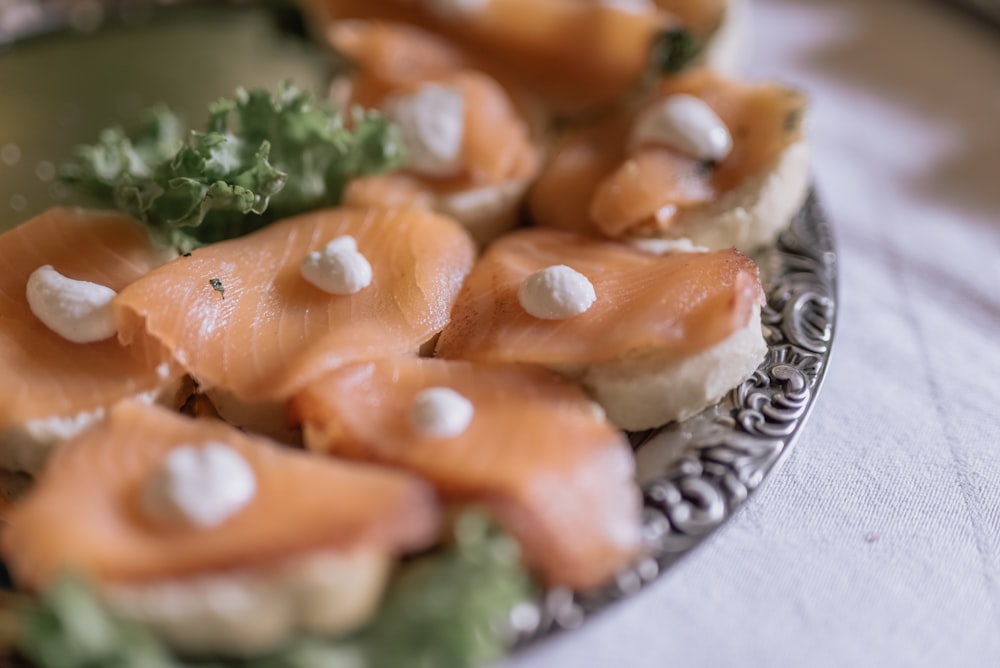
878	541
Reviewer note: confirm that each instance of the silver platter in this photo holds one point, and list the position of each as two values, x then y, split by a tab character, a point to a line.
697	473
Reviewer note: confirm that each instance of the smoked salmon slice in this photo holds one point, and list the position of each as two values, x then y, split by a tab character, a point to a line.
45	375
651	185
595	183
677	304
240	317
702	17
763	119
388	56
537	453
573	55
496	143
86	512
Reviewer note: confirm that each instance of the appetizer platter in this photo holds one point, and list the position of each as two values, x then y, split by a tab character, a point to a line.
416	357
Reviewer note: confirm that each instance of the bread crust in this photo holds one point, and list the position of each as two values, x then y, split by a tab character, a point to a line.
647	391
753	215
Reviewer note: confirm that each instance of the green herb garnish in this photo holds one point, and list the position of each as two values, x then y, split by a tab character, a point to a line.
673	50
261	158
793	120
445	610
450	610
70	628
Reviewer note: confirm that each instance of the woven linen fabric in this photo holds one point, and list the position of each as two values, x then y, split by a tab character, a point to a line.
878	541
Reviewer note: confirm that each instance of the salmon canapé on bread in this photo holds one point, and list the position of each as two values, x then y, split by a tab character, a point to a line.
471	153
706	160
218	541
519	439
63	365
653	338
254	319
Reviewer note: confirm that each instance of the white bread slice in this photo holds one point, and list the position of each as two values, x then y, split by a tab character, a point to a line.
247	612
485	212
25	447
729	47
754	214
646	390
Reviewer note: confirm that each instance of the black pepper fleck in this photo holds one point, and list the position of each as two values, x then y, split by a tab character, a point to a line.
217	286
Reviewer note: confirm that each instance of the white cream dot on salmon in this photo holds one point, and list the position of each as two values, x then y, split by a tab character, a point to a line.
685	123
339	268
431	121
202	486
78	311
440	412
556	292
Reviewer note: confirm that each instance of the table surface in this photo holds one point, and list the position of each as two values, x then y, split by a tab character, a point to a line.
878	542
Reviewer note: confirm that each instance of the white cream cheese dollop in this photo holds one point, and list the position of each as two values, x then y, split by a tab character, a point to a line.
440	412
200	485
556	293
431	121
685	123
78	311
339	269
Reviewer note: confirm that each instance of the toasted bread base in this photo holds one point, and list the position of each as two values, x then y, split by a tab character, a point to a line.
753	215
264	418
485	212
728	49
646	391
26	447
247	612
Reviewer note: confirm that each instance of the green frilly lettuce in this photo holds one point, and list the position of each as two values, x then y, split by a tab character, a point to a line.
260	158
443	610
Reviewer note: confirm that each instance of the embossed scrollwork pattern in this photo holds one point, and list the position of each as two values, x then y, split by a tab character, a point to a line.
696	474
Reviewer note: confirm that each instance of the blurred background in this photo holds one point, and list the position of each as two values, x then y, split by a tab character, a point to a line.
61	88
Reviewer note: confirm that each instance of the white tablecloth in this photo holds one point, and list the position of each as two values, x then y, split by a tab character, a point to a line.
878	542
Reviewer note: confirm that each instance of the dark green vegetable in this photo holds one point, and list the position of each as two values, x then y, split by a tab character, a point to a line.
448	611
793	120
445	610
70	629
673	50
262	157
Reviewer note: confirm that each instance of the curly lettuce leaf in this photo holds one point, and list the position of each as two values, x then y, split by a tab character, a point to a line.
97	169
69	628
260	158
444	610
450	610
